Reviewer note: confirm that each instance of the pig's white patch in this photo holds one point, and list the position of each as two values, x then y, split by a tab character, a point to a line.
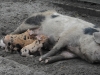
2	44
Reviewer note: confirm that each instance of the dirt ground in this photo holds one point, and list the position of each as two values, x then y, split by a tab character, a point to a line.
12	13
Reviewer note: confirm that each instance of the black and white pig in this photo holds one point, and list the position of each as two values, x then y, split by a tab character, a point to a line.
80	38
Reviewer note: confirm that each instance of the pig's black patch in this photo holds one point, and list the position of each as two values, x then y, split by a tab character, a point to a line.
19	48
35	20
54	16
8	47
9	43
24	38
43	10
90	30
96	26
11	37
30	53
28	37
39	41
25	50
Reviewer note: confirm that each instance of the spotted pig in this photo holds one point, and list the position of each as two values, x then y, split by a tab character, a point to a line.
80	37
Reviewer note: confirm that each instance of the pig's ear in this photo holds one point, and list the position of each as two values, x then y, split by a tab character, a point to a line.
38	37
97	37
30	31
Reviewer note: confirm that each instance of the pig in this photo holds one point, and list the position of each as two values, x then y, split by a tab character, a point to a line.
34	47
17	41
80	37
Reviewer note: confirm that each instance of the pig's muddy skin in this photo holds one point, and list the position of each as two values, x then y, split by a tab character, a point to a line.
12	14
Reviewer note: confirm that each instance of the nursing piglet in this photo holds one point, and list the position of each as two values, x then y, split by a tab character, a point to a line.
34	47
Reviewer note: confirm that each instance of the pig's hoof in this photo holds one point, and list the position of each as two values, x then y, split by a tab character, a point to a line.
46	61
40	59
43	57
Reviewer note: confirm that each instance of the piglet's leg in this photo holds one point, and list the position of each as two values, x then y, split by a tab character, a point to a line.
40	51
30	56
6	49
63	56
27	55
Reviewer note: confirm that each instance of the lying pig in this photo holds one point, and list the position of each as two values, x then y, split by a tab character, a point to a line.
17	41
80	37
34	47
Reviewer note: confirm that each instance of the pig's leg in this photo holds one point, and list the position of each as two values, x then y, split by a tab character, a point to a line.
63	56
17	31
23	28
60	44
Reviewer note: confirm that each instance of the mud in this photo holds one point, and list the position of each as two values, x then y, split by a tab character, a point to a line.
12	13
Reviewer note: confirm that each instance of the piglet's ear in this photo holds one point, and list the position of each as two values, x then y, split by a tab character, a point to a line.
30	31
97	37
38	37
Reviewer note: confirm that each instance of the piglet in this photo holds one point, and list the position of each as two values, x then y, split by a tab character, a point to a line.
34	47
17	41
